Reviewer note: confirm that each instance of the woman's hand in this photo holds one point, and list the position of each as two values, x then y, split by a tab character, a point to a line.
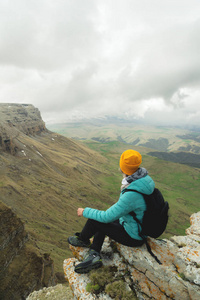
80	211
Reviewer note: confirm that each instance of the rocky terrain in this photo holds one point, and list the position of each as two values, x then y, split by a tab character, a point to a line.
22	269
132	273
58	292
15	119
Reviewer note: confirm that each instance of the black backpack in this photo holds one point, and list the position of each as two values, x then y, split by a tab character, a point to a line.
155	217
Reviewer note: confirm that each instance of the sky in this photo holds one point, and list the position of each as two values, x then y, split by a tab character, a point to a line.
77	59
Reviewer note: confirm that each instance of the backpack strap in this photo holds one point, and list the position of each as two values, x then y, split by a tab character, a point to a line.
131	190
133	214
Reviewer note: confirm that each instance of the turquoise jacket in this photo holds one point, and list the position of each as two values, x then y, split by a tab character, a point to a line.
129	201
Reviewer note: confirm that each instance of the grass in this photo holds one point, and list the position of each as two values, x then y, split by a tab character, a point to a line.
46	191
107	279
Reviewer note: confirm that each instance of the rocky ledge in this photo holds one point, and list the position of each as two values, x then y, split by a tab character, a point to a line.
17	119
132	273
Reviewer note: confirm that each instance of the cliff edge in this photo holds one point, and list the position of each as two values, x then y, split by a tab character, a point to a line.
132	273
16	119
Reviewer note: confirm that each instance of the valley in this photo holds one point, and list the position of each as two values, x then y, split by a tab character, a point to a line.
160	138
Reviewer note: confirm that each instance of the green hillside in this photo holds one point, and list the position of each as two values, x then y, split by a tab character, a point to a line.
45	183
160	138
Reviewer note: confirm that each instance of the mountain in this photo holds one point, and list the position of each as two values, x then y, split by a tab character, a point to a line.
159	138
16	119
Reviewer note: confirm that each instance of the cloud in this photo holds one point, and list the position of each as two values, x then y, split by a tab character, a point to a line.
46	35
76	59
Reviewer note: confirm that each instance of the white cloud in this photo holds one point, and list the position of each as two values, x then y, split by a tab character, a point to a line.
75	59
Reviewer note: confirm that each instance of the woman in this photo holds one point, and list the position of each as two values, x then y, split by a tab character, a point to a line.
115	222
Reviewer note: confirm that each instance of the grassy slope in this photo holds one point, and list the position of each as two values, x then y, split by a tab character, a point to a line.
46	190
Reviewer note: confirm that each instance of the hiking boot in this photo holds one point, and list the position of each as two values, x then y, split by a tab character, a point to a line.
91	261
77	242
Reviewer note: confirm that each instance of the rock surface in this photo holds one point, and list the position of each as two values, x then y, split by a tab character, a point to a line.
57	292
16	119
22	269
177	278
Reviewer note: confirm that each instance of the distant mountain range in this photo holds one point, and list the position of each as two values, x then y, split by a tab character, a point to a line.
159	138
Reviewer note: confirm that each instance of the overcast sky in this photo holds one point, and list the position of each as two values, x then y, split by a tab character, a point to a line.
74	59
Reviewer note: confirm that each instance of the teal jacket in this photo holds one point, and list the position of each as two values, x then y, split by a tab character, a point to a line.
129	201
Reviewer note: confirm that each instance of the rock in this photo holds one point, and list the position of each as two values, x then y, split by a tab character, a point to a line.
15	120
58	292
177	278
22	268
195	221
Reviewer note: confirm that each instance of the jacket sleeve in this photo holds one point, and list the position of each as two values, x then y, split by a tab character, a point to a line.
119	209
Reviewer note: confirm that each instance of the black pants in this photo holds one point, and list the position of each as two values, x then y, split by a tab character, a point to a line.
114	230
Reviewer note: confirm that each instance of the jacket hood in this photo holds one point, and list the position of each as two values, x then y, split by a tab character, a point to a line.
144	185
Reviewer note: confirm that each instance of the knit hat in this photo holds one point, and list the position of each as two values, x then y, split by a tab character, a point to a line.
130	161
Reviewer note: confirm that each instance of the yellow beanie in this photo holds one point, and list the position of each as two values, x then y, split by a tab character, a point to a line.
130	161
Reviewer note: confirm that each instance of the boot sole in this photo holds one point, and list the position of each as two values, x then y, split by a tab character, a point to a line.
96	265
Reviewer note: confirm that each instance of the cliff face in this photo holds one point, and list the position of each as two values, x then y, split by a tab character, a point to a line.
138	274
22	269
16	119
